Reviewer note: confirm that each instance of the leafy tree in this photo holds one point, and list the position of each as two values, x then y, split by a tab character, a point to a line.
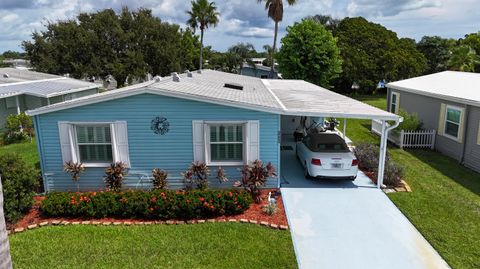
126	46
275	12
463	59
9	54
190	45
327	21
202	15
370	53
269	53
309	52
473	41
436	51
242	52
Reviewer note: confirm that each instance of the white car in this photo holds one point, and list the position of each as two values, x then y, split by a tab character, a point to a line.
326	155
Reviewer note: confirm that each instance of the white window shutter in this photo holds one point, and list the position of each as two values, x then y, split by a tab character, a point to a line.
441	119
120	142
67	142
198	141
461	129
253	140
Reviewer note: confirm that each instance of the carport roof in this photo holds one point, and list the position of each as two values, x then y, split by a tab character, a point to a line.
285	97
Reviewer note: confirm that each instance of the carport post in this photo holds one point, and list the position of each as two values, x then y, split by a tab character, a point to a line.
344	128
382	154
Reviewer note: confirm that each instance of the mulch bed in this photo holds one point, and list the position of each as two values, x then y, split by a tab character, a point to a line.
252	215
403	187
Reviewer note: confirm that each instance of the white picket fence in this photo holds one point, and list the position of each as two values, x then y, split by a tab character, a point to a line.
407	139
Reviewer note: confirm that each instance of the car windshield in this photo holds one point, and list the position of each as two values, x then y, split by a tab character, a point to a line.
326	143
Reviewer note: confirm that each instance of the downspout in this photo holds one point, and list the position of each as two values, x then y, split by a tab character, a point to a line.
465	135
383	149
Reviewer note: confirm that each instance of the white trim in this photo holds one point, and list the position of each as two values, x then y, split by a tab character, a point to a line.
397	96
435	95
460	123
267	84
31	81
76	148
207	148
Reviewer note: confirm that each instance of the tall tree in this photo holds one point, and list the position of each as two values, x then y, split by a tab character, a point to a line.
202	15
463	59
473	41
436	51
309	52
275	12
327	21
243	54
5	259
269	52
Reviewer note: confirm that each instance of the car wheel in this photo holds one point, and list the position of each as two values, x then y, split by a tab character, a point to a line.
353	178
306	173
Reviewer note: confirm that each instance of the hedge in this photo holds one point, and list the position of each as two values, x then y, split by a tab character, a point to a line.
155	204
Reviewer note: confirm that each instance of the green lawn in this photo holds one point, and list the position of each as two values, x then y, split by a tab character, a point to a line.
209	245
27	150
445	202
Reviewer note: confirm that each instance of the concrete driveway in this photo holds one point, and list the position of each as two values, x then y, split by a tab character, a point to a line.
344	224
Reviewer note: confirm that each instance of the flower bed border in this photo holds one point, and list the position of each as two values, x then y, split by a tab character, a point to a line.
59	222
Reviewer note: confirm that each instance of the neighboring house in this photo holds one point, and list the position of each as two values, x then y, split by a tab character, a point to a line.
18	63
448	102
218	118
258	71
22	90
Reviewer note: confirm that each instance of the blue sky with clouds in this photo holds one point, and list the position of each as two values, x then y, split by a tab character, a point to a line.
246	20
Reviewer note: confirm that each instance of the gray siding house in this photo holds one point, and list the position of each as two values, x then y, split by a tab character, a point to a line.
22	90
448	102
258	71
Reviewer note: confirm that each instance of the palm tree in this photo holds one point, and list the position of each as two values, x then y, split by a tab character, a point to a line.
202	15
242	53
5	259
275	12
464	59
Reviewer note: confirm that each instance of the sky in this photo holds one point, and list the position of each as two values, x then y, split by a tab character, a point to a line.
246	20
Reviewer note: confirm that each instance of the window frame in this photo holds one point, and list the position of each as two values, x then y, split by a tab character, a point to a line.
208	156
445	120
77	145
396	102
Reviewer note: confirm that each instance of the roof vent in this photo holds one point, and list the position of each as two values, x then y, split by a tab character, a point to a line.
189	74
157	78
234	86
5	75
175	77
199	71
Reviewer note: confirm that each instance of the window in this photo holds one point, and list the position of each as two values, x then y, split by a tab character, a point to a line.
226	143
94	143
263	76
394	102
452	121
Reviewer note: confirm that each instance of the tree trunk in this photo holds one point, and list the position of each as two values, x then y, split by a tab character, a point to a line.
201	49
5	259
272	68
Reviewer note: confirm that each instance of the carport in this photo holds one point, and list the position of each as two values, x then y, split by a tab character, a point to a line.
302	99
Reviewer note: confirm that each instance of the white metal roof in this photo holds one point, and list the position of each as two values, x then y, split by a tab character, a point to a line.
287	97
462	87
15	82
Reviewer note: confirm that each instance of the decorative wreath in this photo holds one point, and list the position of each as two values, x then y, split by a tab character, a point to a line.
160	125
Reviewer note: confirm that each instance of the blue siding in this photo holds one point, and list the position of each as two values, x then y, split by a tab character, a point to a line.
172	152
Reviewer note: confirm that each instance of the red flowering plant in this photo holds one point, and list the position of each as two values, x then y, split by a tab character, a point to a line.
255	176
159	178
197	173
114	175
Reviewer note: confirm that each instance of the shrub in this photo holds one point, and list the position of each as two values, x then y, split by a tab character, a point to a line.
393	174
270	209
114	175
17	128
197	174
159	178
74	169
411	122
254	176
156	204
19	184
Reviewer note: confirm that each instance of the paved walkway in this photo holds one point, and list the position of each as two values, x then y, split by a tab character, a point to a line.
342	224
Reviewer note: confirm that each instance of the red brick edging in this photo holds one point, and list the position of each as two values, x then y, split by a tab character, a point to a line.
129	223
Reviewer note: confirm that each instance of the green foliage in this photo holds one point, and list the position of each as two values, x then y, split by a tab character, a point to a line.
114	175
370	53
473	41
159	178
464	59
19	183
242	53
437	52
255	176
126	46
411	121
309	52
74	169
17	128
196	174
270	209
156	204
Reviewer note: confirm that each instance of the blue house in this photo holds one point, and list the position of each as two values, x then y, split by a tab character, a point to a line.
218	118
258	71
